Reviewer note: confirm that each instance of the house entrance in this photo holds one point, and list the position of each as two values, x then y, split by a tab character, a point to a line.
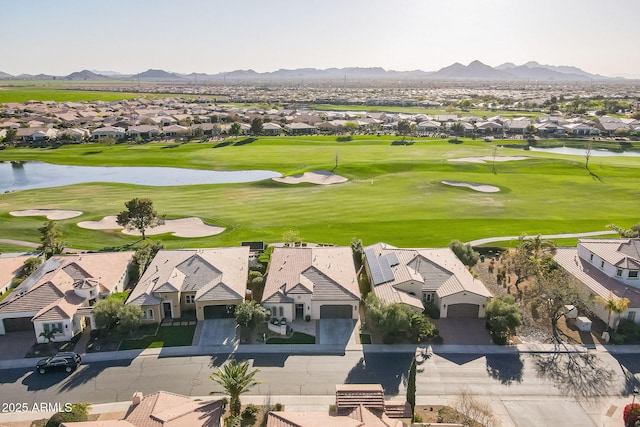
166	308
299	311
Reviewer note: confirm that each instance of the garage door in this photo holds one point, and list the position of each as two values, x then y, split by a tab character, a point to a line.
336	312
463	310
219	311
18	324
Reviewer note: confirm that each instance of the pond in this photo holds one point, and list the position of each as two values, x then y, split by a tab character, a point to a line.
582	151
29	175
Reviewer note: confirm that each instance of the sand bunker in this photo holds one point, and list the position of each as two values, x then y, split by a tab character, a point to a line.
52	214
483	188
184	227
320	177
488	159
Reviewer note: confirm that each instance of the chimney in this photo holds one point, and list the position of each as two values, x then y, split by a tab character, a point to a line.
137	398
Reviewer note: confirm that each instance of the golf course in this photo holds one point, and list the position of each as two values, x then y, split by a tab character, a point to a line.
393	193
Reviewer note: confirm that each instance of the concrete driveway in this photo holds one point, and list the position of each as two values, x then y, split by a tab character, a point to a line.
463	331
336	332
218	332
16	345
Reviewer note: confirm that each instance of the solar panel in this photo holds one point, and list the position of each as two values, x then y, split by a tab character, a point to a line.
392	258
379	268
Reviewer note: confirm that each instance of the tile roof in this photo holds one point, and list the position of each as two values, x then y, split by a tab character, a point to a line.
328	272
214	274
52	280
164	409
10	267
437	270
597	281
309	419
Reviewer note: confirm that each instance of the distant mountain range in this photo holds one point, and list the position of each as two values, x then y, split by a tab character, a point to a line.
476	70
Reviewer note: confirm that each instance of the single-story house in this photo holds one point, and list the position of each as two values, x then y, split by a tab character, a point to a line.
58	296
419	276
299	128
319	282
271	129
112	131
163	408
209	282
609	268
143	131
176	131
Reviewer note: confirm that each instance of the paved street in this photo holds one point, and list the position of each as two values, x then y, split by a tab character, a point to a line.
523	388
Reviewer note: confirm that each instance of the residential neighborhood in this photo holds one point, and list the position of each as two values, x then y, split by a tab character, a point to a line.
141	120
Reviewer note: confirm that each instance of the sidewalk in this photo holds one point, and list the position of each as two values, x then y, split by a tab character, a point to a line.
297	349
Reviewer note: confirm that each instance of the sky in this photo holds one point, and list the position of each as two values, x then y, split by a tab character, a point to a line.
211	36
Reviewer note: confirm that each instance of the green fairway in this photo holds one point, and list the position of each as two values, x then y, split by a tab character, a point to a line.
67	92
394	193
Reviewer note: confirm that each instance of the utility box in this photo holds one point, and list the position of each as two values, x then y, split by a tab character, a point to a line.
583	324
570	312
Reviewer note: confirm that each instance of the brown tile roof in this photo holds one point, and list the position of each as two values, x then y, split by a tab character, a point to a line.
310	419
57	276
164	409
214	274
173	410
328	272
354	395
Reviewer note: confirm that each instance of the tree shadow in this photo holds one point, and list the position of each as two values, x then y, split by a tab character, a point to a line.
222	144
89	153
391	370
244	141
630	366
575	374
505	368
176	145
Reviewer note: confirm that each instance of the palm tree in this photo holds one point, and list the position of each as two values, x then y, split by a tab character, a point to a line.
48	335
535	245
613	304
236	379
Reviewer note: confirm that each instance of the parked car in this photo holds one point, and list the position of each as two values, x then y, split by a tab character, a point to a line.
70	355
61	361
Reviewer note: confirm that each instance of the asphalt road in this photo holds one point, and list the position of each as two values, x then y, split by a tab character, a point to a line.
570	376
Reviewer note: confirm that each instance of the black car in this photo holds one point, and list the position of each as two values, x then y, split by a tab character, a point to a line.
61	361
70	355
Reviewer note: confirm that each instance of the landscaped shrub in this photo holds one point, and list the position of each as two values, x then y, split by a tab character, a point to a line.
250	411
630	330
78	412
432	310
631	414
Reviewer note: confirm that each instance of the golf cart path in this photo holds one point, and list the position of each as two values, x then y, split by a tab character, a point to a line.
544	236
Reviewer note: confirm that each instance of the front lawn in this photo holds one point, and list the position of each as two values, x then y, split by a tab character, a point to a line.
166	336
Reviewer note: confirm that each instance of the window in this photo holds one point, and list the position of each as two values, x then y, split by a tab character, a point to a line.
619	272
150	314
632	316
427	297
281	310
633	274
273	312
56	328
190	299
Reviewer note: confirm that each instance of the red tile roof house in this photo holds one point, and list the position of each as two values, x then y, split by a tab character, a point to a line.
163	409
418	276
609	268
208	281
320	282
59	294
357	405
